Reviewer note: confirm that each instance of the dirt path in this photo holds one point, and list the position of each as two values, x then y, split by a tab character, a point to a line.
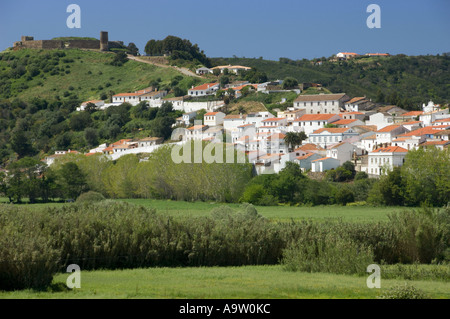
182	70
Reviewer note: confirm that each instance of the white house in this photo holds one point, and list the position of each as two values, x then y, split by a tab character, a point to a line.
346	55
187	117
290	116
195	132
385	158
273	125
388	133
204	89
149	141
309	123
232	122
213	118
321	103
348	123
430	117
231	68
305	161
330	136
408	142
201	71
342	151
324	164
357	104
380	120
97	103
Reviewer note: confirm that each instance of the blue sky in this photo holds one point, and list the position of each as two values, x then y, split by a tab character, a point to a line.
252	28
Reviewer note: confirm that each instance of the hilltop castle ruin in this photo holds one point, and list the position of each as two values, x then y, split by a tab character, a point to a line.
103	44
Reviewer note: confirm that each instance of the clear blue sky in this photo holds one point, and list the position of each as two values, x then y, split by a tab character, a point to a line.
252	28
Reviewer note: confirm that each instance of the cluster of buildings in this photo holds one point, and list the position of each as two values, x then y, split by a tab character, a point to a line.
337	128
376	140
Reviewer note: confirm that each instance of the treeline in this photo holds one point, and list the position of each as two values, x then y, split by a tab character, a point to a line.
178	49
128	177
424	179
406	81
116	235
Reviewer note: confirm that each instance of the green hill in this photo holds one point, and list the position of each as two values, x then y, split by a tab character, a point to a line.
40	89
76	74
407	81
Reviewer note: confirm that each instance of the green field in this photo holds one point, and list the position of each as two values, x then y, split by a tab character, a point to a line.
254	282
278	213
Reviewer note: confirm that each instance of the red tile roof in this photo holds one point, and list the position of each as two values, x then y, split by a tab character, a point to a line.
211	113
305	156
277	136
442	120
321	159
390	149
428	130
388	128
413	113
344	122
435	143
203	87
309	147
331	130
197	127
273	119
355	99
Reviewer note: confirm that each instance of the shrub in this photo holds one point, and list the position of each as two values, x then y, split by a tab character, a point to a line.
90	197
403	292
317	251
28	259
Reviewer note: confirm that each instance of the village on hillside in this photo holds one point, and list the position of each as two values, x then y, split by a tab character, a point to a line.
319	131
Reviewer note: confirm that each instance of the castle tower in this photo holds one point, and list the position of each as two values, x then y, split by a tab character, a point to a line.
104	41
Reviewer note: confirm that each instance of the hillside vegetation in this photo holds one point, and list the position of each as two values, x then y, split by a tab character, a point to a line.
407	81
76	74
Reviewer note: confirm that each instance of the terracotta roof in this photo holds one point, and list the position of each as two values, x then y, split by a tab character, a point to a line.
442	120
197	127
367	128
245	125
435	143
349	53
344	122
150	139
378	54
319	97
91	101
410	122
321	159
273	119
211	113
413	113
109	148
231	117
309	147
314	117
203	87
390	149
371	137
388	128
337	145
121	142
305	156
354	112
331	130
429	130
355	99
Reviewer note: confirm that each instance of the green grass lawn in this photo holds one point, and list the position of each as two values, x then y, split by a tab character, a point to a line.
254	282
278	213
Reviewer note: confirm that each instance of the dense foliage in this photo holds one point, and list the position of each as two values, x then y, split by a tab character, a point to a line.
406	81
36	243
178	49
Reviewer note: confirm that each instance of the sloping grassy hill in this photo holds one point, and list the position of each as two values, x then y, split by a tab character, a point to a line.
79	74
407	81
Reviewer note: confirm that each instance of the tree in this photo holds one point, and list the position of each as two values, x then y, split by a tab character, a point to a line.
290	83
91	136
72	180
132	49
177	91
20	143
294	138
80	121
119	59
162	127
25	179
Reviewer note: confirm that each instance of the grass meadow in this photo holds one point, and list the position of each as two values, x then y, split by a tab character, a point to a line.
252	282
